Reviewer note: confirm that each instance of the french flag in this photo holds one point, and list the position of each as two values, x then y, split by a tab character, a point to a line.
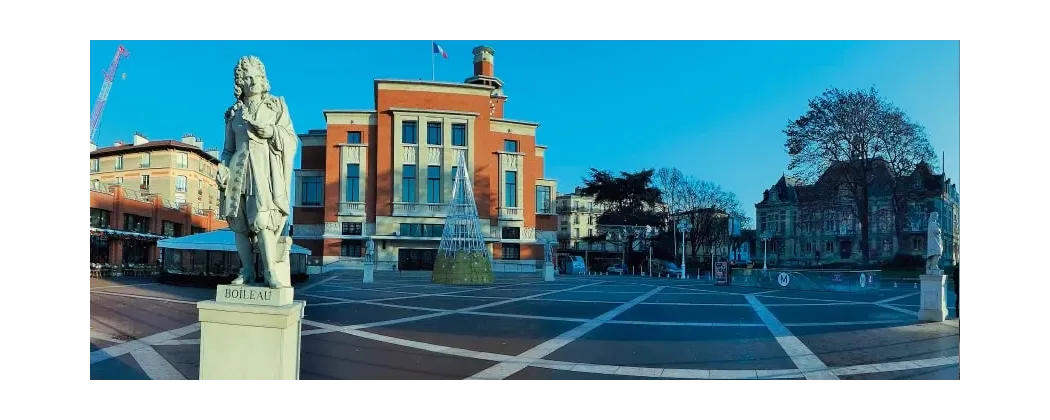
438	49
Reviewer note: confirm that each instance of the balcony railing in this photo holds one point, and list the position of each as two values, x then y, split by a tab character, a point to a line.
351	209
506	213
421	209
526	234
328	229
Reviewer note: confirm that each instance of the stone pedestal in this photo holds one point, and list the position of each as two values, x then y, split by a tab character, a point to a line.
933	306
548	272
370	269
250	332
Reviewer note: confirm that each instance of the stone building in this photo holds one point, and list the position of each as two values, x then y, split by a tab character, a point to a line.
813	225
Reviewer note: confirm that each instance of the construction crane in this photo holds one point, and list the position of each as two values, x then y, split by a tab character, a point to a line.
100	103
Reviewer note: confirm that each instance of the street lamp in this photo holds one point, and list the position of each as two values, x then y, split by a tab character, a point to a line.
649	237
683	226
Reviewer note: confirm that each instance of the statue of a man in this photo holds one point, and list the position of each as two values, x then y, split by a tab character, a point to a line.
934	247
255	172
370	251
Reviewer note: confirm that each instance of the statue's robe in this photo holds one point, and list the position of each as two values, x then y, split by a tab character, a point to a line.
257	192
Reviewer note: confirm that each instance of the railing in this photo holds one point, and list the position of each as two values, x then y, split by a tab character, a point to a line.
421	209
200	212
329	229
352	209
506	213
98	187
526	234
170	204
137	196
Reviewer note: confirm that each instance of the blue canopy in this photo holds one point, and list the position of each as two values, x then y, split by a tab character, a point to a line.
216	240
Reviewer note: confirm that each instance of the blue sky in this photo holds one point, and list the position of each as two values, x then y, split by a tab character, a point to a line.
716	110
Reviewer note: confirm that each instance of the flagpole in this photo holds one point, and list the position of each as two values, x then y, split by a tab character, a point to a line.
432	60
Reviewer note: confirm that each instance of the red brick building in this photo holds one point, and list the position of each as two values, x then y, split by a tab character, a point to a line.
387	173
126	224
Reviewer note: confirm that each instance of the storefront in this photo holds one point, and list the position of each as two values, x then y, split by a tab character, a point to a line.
211	258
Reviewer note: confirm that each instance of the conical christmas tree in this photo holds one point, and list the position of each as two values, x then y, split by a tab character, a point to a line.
462	257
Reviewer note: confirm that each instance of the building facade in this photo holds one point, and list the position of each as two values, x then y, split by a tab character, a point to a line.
126	225
806	226
387	174
177	171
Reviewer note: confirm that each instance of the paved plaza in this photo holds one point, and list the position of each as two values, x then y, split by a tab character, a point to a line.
576	327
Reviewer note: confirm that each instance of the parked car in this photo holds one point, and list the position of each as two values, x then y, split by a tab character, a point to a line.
616	269
663	268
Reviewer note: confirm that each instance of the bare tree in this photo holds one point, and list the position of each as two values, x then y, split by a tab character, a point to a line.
906	147
843	139
672	185
708	209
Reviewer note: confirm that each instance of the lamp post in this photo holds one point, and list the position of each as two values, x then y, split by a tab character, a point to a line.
649	237
683	226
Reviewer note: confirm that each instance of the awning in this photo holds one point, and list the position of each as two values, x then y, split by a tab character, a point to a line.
216	240
126	233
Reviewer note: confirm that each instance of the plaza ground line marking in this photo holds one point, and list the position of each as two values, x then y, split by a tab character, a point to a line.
155	365
449	294
896	298
144	297
455	311
125	348
505	369
323	281
764	292
807	362
613	369
894	308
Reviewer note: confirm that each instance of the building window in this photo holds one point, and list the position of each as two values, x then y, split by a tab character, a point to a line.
512	189
312	190
459	134
200	186
119	164
434	133
351	228
543	199
350	249
171	229
353	187
94	165
511	232
916	244
829	247
409	132
120	180
136	223
180	183
145	182
420	230
182	161
511	251
100	218
144	163
408	184
433	184
353	137
510	146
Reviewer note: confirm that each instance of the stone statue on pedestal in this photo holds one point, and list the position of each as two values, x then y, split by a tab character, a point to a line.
370	252
934	247
255	173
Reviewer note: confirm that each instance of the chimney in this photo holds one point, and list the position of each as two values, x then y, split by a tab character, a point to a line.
118	143
484	61
93	147
214	153
139	139
189	139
